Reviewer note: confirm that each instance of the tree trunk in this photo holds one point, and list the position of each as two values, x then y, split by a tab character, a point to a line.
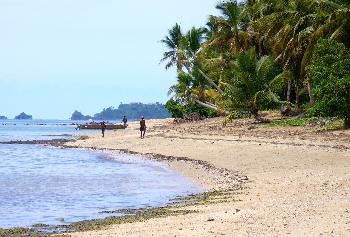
208	79
207	105
255	112
257	117
211	82
347	122
289	90
274	97
309	90
210	106
297	97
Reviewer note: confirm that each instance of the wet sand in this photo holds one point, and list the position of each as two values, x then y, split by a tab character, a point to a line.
298	178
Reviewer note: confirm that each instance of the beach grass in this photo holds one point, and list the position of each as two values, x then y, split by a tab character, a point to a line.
324	124
19	232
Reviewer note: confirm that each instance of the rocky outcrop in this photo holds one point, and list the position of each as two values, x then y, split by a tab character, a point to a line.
24	116
79	116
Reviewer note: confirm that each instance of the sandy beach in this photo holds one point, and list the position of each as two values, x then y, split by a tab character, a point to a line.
294	181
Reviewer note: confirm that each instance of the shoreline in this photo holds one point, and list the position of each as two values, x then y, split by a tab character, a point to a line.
298	177
219	186
292	180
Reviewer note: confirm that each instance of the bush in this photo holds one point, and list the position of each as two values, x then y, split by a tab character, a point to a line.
178	110
329	73
175	108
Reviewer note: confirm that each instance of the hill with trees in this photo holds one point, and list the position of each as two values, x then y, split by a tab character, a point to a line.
3	117
132	111
79	116
291	55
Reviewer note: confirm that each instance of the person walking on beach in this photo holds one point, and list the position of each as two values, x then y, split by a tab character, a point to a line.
125	121
142	127
103	128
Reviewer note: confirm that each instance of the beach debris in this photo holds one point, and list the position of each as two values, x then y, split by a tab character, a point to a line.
52	142
288	110
321	122
190	117
210	219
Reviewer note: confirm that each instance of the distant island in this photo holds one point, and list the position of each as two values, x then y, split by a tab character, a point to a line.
79	116
132	111
3	118
24	116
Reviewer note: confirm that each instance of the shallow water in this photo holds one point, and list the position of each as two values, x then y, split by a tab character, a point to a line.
11	130
40	184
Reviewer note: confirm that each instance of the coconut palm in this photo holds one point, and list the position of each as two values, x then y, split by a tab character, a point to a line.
249	86
218	68
228	32
173	42
291	29
193	84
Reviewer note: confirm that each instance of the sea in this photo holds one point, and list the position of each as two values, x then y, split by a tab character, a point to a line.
53	186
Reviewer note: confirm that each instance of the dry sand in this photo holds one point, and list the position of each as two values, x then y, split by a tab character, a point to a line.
299	178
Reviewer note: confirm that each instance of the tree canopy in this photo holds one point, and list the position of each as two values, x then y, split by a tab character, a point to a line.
261	54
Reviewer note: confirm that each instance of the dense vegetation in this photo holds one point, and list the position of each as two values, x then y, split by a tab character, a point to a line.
264	54
132	111
3	117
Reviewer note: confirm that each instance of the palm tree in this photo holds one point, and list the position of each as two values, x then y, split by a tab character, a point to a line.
173	42
184	49
249	85
291	29
211	62
228	33
194	41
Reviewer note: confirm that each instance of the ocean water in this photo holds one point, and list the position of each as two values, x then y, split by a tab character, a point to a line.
41	184
39	129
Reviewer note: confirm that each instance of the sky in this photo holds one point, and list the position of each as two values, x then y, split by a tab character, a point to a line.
57	56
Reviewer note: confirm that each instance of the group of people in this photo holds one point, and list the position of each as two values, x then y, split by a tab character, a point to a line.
125	121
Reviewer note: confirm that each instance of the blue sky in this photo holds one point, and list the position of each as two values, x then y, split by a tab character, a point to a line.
60	55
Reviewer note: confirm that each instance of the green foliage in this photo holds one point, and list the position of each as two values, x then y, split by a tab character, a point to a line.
336	124
329	123
194	107
20	232
175	108
178	110
330	74
291	122
231	65
248	91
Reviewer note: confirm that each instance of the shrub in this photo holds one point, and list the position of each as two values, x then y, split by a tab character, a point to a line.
175	108
178	110
329	73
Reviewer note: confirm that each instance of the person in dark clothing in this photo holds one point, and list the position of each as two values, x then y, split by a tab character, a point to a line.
103	128
125	121
142	127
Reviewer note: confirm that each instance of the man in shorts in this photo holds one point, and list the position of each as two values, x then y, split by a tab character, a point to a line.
103	128
142	127
125	121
